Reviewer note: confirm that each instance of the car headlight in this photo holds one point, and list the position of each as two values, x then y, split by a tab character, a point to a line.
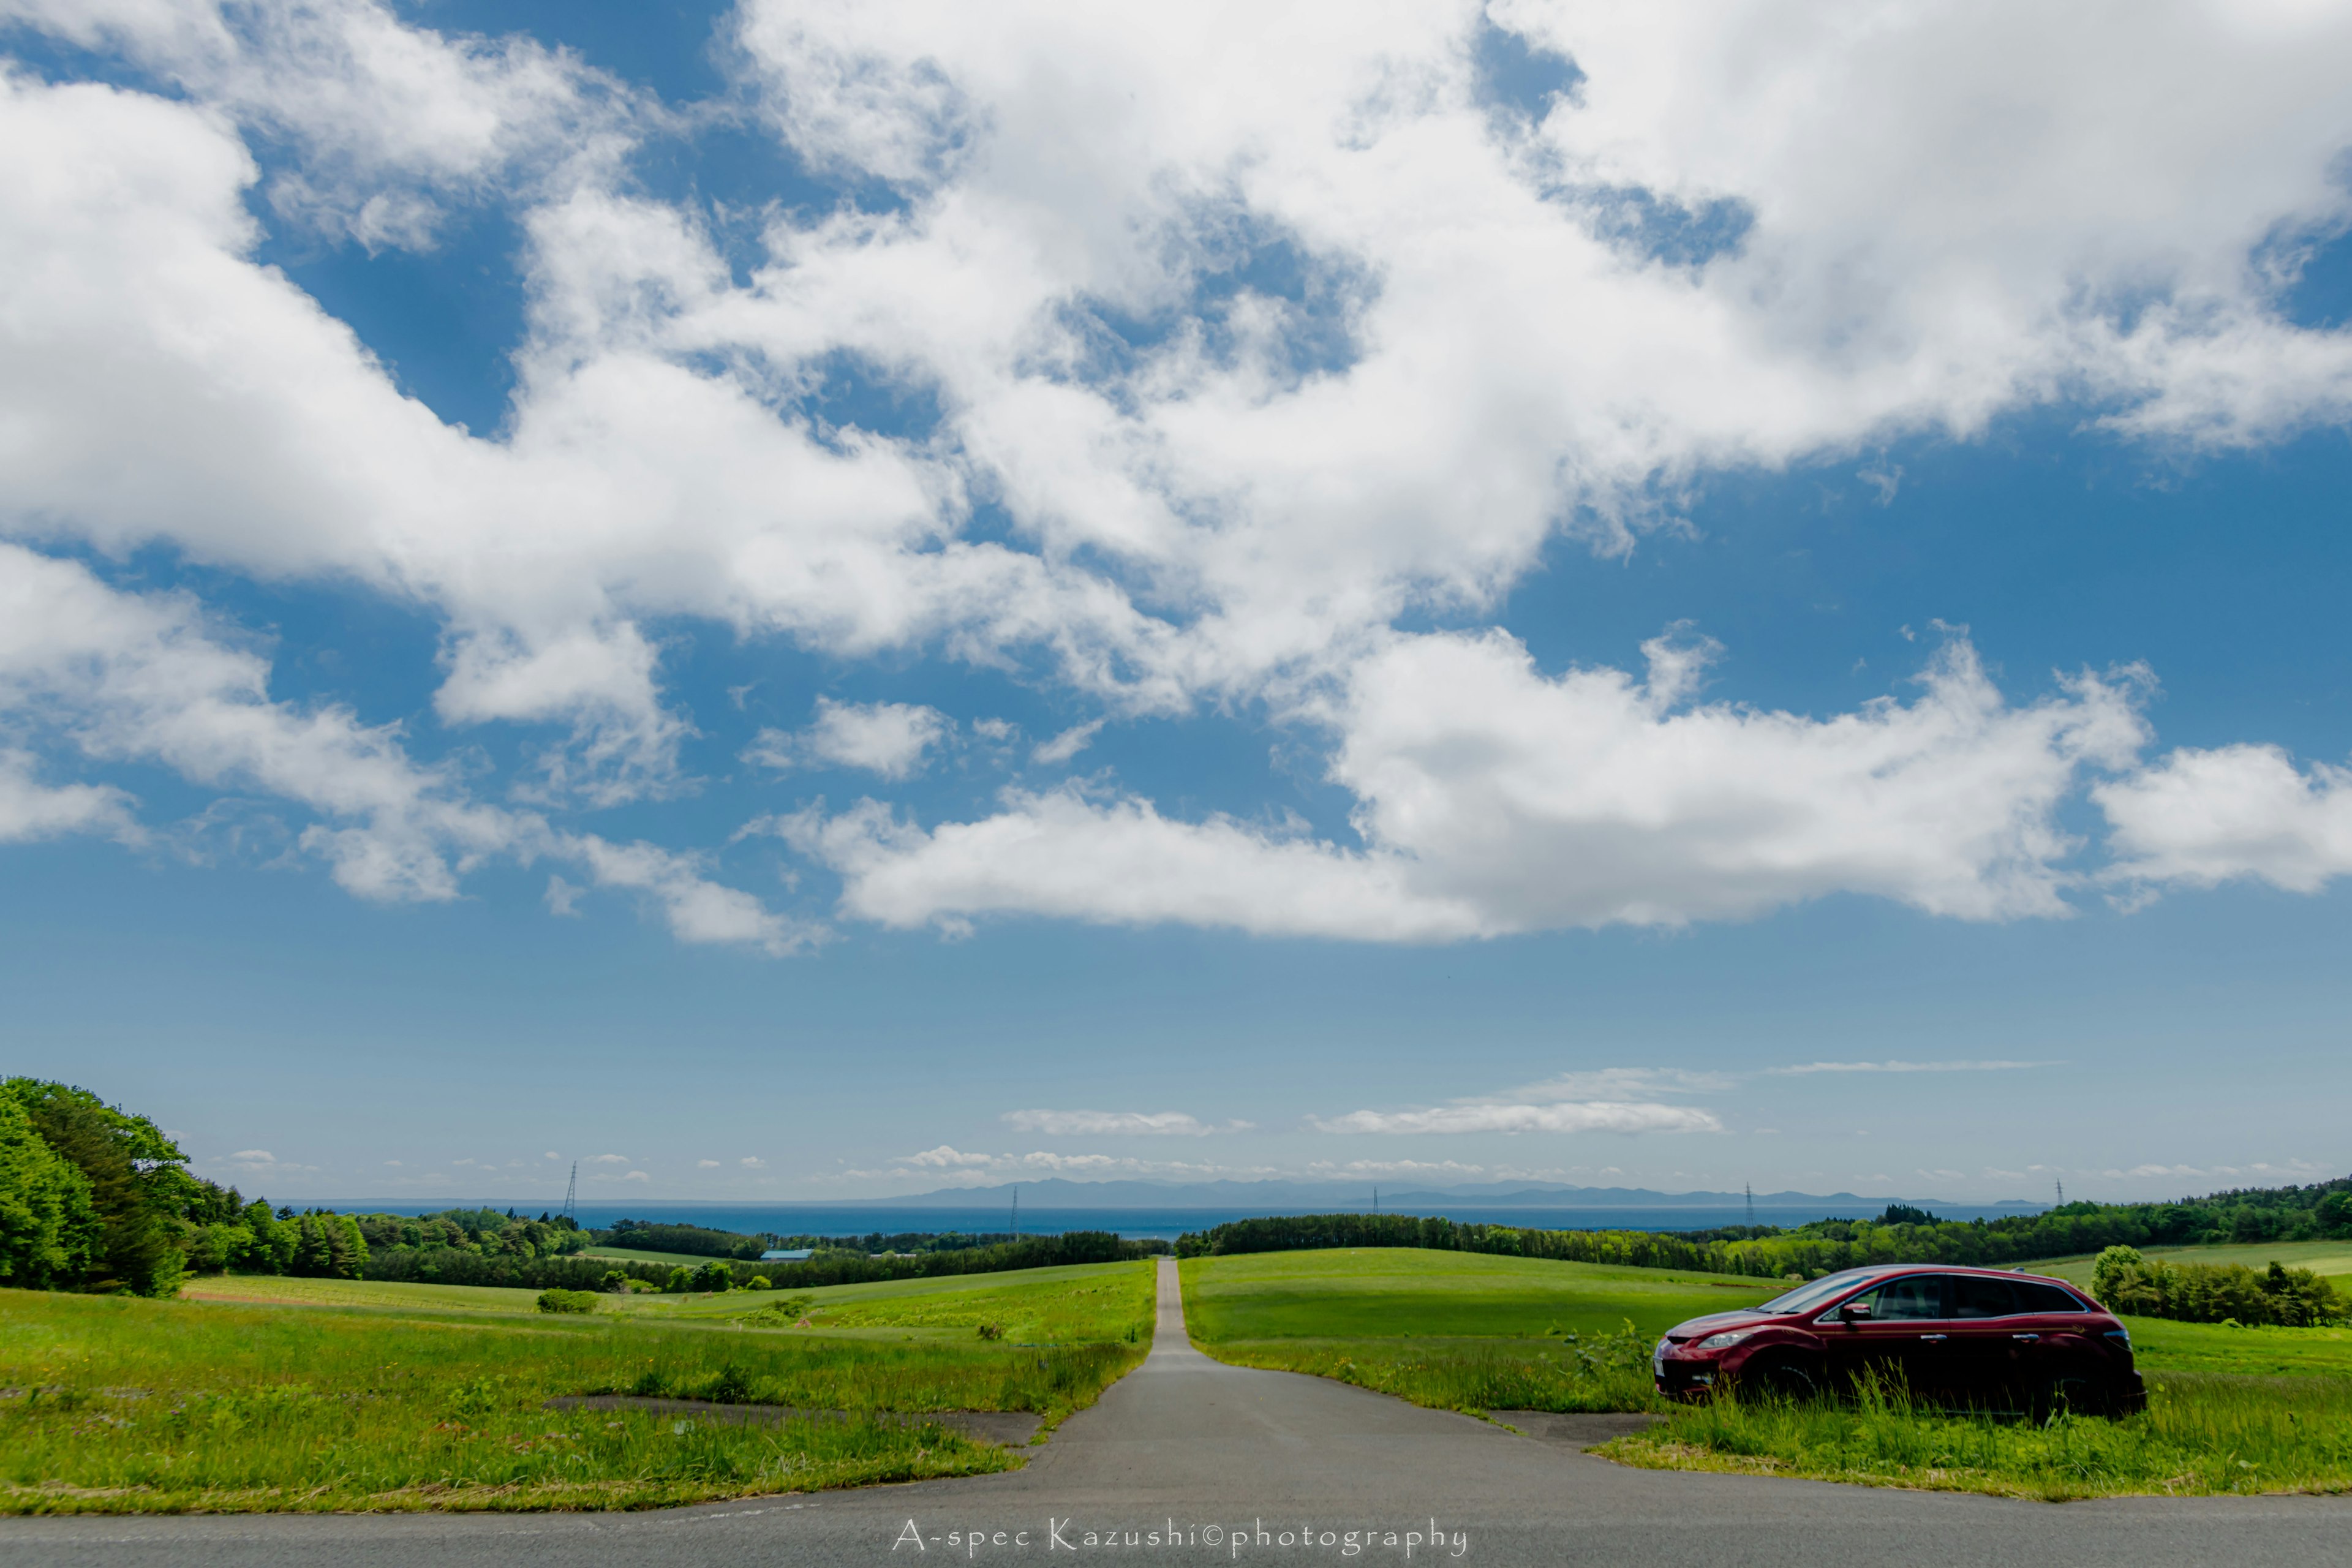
1723	1341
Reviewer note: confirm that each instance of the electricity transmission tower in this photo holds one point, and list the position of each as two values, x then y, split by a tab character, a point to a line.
1751	1203
571	1191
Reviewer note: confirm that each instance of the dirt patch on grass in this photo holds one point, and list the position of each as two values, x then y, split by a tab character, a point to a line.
1007	1429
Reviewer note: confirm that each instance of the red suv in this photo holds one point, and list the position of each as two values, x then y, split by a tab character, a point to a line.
1972	1337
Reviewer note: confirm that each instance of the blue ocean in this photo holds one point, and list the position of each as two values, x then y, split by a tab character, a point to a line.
1143	1224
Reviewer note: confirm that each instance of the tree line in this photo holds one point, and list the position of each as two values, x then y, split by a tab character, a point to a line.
1901	1234
703	1241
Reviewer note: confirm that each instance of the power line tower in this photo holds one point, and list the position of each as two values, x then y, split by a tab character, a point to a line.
1016	1211
571	1192
2062	1195
1750	1186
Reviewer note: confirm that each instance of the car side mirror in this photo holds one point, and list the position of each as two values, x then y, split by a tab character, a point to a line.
1855	1312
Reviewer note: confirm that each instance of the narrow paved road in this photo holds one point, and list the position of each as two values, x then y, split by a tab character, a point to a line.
1188	1460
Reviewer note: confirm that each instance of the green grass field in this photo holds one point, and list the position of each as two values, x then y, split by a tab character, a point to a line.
327	1394
1453	1329
636	1255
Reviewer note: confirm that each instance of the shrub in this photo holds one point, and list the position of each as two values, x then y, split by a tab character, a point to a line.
992	1331
679	1281
759	1282
567	1300
615	1281
714	1275
2124	1281
2115	1271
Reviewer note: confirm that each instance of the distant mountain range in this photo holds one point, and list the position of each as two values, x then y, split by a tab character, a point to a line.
1056	1192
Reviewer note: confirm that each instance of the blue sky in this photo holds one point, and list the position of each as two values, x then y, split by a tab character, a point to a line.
795	602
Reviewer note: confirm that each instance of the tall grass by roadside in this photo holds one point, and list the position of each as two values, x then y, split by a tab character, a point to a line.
116	1404
2201	1434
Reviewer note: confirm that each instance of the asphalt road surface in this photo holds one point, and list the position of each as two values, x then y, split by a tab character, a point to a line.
1189	1461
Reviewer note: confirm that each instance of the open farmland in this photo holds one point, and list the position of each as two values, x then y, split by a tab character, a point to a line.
1453	1329
336	1395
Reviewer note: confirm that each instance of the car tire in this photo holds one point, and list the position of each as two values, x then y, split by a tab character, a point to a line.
1781	1377
2075	1396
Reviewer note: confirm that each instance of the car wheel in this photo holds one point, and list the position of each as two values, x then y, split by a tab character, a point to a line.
1781	1377
2073	1395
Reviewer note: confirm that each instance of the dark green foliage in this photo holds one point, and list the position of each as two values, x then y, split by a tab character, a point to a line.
699	1241
714	1275
567	1300
48	1229
135	1184
2124	1281
679	1281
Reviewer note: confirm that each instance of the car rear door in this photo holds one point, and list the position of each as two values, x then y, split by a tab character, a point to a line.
1988	1344
2052	1337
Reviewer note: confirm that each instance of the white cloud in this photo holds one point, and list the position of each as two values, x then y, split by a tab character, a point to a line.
256	1156
1066	745
129	677
1496	799
706	1164
1564	1116
887	738
752	1162
636	1176
2202	818
1802	1069
605	1160
29	809
1064	1122
1949	213
946	1157
550	1155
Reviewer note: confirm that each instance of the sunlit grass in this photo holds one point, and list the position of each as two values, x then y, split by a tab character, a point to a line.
127	1405
2200	1434
1450	1330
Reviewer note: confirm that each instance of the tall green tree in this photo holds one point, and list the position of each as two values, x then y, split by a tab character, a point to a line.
48	1229
137	1185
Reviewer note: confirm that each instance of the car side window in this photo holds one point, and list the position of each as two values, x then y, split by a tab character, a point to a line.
2035	1297
1913	1296
1974	1296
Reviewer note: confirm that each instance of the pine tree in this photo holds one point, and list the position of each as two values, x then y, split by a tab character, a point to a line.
312	1258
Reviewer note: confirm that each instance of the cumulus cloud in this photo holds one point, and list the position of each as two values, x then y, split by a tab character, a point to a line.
1152	1123
1494	798
119	677
888	738
1238	380
2202	818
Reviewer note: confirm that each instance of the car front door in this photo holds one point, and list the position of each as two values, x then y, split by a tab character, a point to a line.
1900	1341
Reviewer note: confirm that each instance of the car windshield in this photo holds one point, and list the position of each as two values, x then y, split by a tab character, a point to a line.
1814	1294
